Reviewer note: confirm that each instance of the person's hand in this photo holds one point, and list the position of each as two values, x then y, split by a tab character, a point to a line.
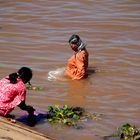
31	120
31	117
30	109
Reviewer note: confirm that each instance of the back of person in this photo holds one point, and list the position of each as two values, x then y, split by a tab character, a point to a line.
77	65
11	95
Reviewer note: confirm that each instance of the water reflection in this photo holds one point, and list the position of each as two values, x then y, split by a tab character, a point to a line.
35	34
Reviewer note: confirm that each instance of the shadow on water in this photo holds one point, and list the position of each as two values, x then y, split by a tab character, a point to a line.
38	118
91	71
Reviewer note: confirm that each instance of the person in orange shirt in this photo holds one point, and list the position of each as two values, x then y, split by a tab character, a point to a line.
78	63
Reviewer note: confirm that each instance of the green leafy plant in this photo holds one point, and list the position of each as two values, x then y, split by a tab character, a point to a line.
36	88
70	116
127	132
65	115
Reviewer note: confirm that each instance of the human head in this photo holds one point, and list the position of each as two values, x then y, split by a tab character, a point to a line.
76	43
24	73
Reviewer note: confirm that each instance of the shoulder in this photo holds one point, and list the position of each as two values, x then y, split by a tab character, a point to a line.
82	54
20	85
4	80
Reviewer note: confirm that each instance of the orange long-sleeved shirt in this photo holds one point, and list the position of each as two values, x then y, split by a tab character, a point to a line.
77	65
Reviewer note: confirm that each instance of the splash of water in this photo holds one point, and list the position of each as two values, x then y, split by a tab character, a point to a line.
57	74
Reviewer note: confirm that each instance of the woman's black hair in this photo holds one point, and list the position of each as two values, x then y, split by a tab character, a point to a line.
74	39
24	73
13	78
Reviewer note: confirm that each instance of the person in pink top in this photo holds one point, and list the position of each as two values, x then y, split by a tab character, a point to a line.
13	92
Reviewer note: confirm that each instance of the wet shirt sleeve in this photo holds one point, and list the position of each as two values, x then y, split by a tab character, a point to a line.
77	66
81	66
21	95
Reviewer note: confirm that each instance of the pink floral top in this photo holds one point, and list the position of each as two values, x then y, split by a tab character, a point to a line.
11	95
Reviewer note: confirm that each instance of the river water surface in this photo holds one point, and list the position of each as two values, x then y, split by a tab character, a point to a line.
35	33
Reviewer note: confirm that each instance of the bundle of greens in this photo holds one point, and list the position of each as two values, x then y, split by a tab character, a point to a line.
65	115
70	116
127	132
31	87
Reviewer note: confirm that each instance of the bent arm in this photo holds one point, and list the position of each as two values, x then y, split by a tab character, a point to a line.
81	65
28	108
80	71
77	66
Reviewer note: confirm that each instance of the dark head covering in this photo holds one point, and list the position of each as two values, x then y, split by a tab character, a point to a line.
75	39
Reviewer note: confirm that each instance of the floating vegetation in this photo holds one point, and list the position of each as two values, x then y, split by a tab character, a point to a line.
102	71
127	132
93	116
31	87
105	71
70	116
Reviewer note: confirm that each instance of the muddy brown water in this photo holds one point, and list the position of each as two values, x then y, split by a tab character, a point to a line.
36	33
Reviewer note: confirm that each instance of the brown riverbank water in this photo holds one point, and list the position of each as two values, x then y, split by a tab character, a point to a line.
35	34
